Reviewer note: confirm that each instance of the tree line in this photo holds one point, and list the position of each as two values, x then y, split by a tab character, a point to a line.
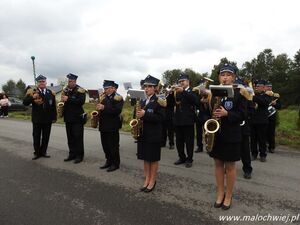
280	70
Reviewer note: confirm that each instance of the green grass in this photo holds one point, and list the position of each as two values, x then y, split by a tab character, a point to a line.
287	131
88	107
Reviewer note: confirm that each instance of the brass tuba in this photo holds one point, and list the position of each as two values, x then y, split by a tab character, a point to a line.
95	114
211	126
136	125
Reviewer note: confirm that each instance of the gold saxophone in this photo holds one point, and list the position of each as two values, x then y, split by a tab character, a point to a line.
136	125
61	104
211	126
95	114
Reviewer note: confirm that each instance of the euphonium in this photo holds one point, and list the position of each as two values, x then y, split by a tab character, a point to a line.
31	92
136	125
95	114
211	126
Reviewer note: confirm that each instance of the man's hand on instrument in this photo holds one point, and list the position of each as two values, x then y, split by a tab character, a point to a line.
64	98
99	107
273	102
35	95
221	112
179	89
140	113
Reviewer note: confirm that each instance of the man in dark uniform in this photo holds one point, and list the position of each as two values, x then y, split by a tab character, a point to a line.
273	107
168	123
245	128
184	120
202	114
259	122
74	117
109	124
43	115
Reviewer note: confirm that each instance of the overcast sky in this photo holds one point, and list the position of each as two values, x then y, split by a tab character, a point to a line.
124	40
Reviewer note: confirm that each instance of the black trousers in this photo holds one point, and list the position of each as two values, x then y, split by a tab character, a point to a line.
271	133
199	134
245	154
167	131
185	137
110	144
4	111
258	138
41	134
75	140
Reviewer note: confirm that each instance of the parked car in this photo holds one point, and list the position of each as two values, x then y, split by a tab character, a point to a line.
16	105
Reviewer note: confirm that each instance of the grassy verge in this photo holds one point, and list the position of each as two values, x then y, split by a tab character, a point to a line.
287	131
88	107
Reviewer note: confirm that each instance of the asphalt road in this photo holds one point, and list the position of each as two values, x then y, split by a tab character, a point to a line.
50	191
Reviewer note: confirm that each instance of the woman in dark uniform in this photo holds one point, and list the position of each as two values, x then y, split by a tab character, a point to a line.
151	115
226	149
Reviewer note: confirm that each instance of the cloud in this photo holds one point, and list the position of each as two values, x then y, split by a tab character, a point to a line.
126	40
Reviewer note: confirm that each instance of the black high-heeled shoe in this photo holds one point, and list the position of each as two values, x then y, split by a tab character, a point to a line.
143	188
219	205
226	207
147	190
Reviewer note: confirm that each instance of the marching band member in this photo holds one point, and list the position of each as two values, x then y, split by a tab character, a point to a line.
109	124
226	148
168	124
259	122
202	114
42	116
151	114
246	131
274	105
184	120
74	117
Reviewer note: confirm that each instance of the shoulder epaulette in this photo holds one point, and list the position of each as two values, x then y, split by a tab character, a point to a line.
53	92
276	95
162	102
118	97
244	92
81	90
196	90
269	93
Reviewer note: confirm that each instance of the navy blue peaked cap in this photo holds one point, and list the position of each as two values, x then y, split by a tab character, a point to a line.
108	83
150	80
72	76
116	85
183	76
40	77
228	68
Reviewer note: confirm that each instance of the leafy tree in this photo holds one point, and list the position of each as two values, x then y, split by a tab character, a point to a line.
170	77
11	88
21	86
